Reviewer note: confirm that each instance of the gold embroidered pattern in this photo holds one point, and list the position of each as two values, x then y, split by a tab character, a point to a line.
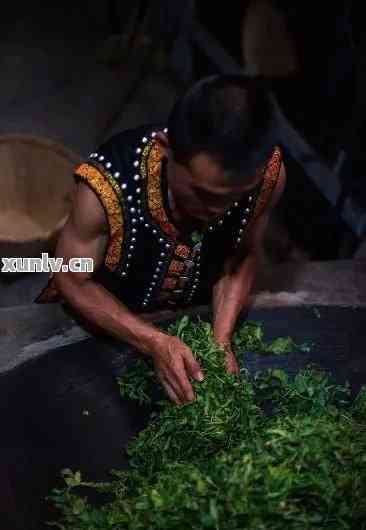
272	172
176	267
102	184
183	251
145	152
110	178
151	160
154	191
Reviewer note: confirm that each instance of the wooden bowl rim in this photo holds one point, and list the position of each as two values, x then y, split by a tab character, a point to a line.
59	148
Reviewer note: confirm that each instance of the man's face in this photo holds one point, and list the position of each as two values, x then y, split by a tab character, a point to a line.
203	191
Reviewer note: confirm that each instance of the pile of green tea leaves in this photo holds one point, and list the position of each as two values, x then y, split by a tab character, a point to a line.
221	463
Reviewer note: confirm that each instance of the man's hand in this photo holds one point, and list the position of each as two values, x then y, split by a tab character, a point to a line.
174	364
232	289
231	362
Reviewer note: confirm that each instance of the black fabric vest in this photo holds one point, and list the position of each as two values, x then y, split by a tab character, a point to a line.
147	266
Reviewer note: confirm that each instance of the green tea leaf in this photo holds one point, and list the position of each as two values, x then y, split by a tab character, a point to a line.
223	462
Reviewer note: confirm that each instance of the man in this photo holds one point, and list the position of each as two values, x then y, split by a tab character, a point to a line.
173	216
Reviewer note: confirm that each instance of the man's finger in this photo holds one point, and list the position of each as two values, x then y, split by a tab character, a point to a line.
181	379
174	382
232	368
193	367
232	363
170	376
169	390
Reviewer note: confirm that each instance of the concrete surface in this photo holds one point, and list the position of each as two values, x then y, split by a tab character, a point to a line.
339	282
30	330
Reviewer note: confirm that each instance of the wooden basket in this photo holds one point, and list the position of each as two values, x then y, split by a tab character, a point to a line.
36	177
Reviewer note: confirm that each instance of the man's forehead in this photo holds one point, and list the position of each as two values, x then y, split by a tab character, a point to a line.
207	171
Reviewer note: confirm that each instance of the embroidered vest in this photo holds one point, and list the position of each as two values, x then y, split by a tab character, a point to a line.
147	265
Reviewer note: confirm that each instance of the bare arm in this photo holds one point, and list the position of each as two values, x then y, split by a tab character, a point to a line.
86	235
231	292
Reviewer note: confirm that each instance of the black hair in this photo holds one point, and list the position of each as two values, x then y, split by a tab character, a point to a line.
229	117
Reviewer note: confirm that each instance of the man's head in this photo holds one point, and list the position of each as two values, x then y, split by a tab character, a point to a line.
220	133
